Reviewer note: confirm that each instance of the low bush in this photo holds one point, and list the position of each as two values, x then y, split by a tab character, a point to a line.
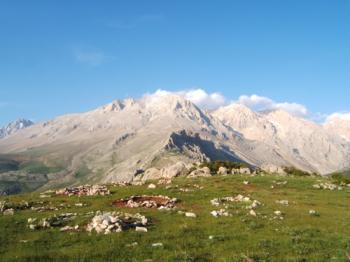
296	172
340	178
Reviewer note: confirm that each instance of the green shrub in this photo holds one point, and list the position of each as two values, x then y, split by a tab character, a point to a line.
296	172
340	178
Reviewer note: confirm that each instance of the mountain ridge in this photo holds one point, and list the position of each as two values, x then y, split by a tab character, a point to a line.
114	141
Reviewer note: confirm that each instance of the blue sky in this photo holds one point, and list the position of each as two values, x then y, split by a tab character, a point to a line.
71	56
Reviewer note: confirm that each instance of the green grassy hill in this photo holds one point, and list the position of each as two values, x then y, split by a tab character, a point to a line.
240	237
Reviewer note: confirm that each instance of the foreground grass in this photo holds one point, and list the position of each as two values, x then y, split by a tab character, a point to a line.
299	237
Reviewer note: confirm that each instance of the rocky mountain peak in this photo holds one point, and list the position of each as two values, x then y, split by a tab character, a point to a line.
14	126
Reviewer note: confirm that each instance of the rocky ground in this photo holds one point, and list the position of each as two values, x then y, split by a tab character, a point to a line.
226	217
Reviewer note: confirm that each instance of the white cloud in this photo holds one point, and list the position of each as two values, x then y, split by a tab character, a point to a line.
214	100
92	58
260	103
203	99
338	115
199	97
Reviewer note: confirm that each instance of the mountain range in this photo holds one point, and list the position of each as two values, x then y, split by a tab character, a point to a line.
118	140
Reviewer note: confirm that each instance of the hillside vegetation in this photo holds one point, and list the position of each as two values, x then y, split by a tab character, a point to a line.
295	221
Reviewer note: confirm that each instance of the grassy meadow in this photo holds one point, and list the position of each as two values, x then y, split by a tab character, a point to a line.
240	237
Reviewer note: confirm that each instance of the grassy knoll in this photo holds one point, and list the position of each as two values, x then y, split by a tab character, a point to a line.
298	237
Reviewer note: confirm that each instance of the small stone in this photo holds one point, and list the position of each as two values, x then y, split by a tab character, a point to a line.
141	229
214	213
9	212
313	213
157	244
246	182
190	214
66	228
152	186
132	244
252	213
278	213
283	202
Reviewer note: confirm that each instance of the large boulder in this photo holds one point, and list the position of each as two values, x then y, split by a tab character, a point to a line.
222	171
245	170
152	174
178	169
202	172
269	168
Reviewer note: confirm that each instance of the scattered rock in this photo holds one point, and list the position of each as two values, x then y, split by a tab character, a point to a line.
86	190
141	229
157	244
54	221
69	228
190	214
152	174
107	223
245	171
9	212
121	184
282	202
254	205
238	198
178	169
273	169
160	202
327	186
222	171
202	172
278	213
252	213
313	213
164	182
152	186
220	213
